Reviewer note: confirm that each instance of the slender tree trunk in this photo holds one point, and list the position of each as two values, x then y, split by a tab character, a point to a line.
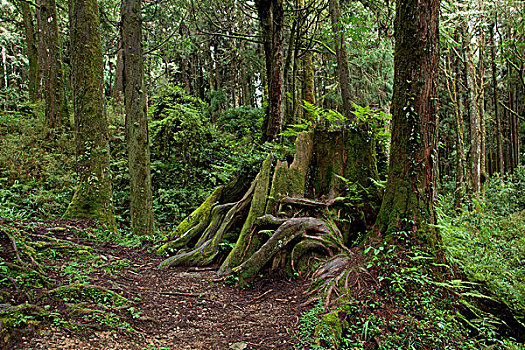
408	203
53	85
308	88
3	69
480	98
93	196
453	74
343	72
271	18
118	85
497	116
472	92
32	51
141	200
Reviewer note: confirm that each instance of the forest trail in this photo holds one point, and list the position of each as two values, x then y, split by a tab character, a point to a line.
171	309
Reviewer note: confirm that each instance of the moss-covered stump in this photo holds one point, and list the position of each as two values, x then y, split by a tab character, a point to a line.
291	212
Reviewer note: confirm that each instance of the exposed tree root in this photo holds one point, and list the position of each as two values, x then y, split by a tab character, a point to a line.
296	211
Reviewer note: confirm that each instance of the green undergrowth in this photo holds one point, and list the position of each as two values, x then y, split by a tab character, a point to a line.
36	166
390	297
490	250
395	299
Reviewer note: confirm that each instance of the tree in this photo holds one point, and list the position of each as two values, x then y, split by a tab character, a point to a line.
291	211
271	17
408	202
141	201
51	64
93	195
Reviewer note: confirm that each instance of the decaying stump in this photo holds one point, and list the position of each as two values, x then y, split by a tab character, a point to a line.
290	214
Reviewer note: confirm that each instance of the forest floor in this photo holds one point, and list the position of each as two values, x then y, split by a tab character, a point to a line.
184	308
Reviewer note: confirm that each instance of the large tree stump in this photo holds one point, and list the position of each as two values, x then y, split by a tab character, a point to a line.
289	212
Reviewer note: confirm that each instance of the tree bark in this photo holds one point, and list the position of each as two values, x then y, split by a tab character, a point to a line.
473	108
408	203
141	200
93	195
308	88
271	18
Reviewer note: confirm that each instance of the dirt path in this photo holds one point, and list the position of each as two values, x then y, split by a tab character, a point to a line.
180	309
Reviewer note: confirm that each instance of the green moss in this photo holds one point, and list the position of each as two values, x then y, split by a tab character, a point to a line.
329	331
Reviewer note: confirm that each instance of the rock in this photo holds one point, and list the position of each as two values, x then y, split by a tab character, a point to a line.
239	346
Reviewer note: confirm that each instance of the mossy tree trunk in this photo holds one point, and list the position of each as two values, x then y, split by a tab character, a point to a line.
408	203
93	196
141	200
288	212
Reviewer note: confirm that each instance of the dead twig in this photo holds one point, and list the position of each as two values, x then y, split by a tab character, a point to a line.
260	296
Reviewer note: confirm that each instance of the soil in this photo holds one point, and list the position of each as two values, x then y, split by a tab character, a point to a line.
172	309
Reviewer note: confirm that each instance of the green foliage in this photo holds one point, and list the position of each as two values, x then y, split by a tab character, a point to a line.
310	323
395	299
376	121
243	121
190	154
12	47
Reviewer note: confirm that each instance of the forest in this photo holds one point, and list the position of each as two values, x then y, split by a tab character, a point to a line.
263	174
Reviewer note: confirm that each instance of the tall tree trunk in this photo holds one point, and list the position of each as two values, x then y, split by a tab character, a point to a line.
362	140
308	88
453	74
480	99
141	200
472	92
408	203
245	88
93	195
271	18
53	85
3	70
32	51
343	73
497	116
